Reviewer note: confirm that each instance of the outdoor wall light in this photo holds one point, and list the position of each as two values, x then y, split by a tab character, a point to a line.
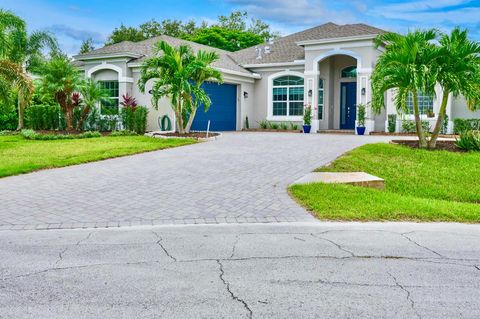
149	91
310	92
364	91
245	95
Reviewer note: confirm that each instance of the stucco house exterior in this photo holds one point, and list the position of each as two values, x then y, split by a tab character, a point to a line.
328	67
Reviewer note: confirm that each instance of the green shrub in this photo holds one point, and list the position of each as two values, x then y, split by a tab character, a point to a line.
134	119
409	126
8	120
392	123
32	135
247	125
123	133
273	126
464	125
293	126
361	114
283	126
444	128
43	117
469	141
263	124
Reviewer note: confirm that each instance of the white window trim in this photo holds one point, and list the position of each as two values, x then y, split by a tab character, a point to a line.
286	118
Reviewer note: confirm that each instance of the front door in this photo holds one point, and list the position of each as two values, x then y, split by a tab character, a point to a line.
348	105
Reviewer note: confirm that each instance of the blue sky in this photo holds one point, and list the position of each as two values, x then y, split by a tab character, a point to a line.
75	20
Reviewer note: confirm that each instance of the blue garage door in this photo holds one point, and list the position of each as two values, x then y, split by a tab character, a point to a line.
222	114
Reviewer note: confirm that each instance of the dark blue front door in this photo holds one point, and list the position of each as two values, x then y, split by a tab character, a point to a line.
348	105
222	114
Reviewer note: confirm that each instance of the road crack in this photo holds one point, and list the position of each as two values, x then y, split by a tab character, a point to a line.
159	242
409	297
227	286
404	235
334	243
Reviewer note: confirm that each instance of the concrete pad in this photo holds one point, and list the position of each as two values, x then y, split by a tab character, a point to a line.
353	178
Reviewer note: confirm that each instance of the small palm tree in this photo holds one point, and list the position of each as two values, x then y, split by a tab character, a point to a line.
407	67
60	79
179	74
458	73
92	94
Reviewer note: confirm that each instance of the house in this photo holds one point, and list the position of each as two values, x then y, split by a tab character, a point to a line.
328	67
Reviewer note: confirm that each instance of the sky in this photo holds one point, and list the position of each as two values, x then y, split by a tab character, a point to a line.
75	20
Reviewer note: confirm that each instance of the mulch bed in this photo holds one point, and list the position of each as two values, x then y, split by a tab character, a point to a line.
441	145
73	132
189	135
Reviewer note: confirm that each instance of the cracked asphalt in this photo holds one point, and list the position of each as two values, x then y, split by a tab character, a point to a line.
284	270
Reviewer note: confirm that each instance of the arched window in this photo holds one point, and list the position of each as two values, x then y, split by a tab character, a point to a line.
349	72
288	96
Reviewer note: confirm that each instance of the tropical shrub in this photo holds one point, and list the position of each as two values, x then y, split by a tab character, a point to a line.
247	125
263	124
134	119
293	126
361	114
307	115
123	133
445	125
463	125
283	126
469	141
8	119
410	126
392	123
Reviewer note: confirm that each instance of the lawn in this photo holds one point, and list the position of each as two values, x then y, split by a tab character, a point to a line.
18	155
420	186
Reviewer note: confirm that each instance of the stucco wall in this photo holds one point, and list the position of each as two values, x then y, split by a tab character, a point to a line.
460	110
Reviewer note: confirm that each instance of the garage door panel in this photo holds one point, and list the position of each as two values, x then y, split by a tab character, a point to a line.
222	113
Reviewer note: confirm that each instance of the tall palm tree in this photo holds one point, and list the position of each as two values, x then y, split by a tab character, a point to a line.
60	79
406	67
458	73
12	74
92	93
178	74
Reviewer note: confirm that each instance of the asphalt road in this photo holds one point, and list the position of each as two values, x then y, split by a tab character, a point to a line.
294	270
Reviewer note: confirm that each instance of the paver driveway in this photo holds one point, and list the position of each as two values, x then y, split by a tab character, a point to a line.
241	177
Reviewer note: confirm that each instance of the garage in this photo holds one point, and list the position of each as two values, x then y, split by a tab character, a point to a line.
222	114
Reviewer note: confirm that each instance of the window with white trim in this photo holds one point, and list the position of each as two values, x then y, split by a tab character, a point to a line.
321	98
288	96
110	106
425	103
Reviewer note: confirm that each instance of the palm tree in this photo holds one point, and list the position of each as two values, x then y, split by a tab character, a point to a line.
60	79
458	73
92	93
179	74
407	67
12	75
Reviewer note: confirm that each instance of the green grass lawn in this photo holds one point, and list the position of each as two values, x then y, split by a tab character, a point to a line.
18	155
420	186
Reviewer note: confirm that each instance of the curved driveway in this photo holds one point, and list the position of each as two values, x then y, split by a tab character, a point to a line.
239	178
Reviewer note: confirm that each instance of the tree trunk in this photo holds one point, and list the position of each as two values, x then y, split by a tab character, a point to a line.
190	120
441	116
21	108
179	118
69	118
422	142
82	118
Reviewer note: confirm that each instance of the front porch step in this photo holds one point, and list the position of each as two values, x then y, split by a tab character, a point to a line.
336	131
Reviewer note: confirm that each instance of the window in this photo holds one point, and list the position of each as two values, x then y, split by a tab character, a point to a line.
349	72
321	98
288	96
110	106
425	103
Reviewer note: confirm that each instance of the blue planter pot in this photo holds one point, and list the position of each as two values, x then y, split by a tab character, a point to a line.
360	130
307	128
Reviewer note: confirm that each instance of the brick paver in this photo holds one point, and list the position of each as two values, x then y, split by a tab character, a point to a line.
239	178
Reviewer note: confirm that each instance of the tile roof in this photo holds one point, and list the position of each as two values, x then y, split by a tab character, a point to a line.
285	49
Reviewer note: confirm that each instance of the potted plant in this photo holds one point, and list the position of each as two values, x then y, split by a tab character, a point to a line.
307	118
361	109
